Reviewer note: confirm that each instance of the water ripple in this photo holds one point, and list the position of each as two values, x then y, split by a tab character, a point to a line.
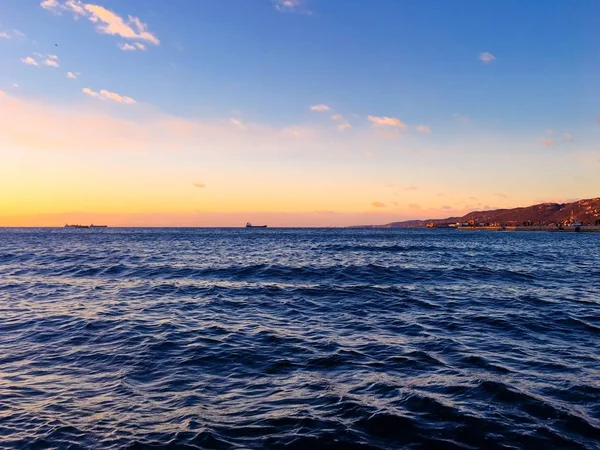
366	339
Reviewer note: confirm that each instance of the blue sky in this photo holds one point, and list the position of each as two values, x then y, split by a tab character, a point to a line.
390	56
534	95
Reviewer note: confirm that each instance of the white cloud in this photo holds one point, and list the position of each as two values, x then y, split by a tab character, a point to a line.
287	5
291	6
106	21
107	95
76	6
30	61
16	85
116	97
51	62
387	122
110	23
486	57
73	75
47	60
91	93
131	47
10	34
320	108
424	129
49	4
567	137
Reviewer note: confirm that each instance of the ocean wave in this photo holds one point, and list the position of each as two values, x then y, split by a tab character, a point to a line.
298	338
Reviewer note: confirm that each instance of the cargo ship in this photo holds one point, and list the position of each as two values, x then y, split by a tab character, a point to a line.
85	226
249	225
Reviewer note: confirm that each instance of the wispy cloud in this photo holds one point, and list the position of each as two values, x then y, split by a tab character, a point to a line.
199	185
342	124
291	6
548	142
378	205
414	206
387	122
47	60
29	61
73	75
116	97
131	47
498	194
411	188
238	123
106	21
104	94
110	23
486	57
424	129
50	60
567	137
12	34
320	108
49	4
91	93
37	125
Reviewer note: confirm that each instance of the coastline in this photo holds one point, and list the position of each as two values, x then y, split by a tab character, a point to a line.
579	229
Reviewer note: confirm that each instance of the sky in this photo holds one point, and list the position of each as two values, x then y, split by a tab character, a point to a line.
293	112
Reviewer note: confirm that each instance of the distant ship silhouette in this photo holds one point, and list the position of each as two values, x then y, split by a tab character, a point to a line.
85	226
249	225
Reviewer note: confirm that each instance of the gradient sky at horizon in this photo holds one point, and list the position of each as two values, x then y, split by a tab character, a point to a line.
293	112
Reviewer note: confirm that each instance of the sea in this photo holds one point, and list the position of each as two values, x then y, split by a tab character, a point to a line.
299	339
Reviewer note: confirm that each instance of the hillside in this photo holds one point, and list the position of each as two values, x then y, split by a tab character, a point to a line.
585	211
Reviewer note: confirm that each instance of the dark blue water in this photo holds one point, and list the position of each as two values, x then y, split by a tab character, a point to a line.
221	339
